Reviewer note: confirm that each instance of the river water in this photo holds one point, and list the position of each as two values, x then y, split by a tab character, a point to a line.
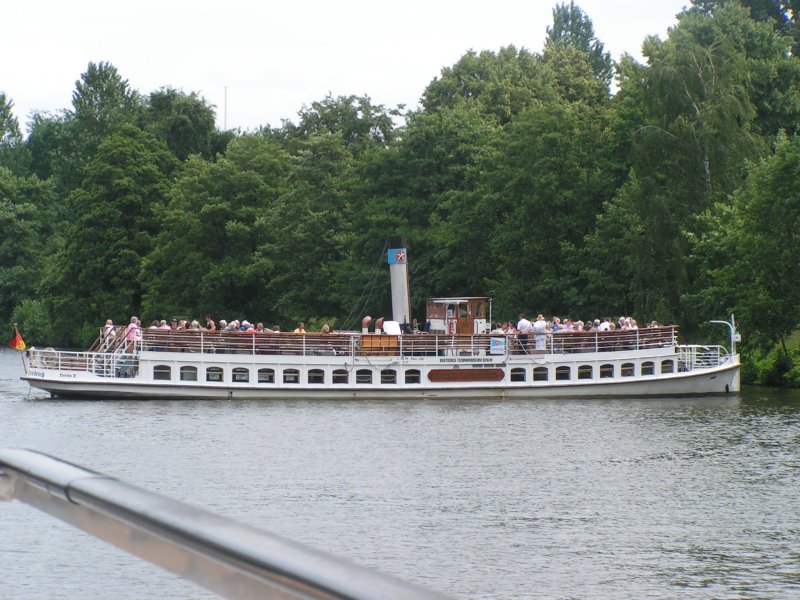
635	498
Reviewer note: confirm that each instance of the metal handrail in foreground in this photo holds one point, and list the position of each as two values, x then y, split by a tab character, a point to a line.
217	553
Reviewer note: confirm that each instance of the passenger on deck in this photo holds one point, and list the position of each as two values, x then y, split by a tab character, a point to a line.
210	325
155	324
301	328
261	329
540	333
524	328
132	332
164	325
174	324
325	328
108	333
276	329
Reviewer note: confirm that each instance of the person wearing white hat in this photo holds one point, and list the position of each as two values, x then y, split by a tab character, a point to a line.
540	332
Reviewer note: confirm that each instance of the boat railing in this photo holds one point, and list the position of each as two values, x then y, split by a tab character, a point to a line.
381	344
227	557
692	357
103	364
120	357
569	342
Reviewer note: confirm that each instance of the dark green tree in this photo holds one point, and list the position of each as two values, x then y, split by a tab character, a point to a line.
422	189
213	252
101	103
751	251
13	153
783	15
497	85
360	124
686	156
26	227
572	27
314	217
116	219
542	194
573	76
186	123
10	134
49	142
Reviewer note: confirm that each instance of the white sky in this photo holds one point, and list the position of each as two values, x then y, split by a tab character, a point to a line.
261	61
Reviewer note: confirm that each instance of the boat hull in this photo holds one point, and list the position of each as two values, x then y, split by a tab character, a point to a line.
720	380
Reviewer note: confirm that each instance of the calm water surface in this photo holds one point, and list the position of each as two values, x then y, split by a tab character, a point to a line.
641	498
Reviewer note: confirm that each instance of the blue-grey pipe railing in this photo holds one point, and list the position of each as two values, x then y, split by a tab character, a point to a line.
229	558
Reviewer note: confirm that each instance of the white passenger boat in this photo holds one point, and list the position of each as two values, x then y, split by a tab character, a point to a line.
457	357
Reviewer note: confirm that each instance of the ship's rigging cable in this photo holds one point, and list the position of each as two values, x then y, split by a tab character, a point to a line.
366	294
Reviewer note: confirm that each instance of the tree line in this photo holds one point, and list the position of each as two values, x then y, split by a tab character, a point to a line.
559	182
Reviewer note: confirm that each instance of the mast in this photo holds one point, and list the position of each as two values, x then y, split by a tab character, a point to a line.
398	275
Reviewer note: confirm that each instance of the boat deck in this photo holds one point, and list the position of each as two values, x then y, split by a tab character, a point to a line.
380	344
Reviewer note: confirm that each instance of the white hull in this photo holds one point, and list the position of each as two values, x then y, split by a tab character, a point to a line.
720	382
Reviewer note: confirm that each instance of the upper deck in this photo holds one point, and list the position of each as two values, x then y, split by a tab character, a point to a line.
351	344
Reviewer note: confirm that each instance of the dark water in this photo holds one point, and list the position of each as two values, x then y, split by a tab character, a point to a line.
675	498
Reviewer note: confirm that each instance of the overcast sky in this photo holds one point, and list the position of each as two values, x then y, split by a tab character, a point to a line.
261	61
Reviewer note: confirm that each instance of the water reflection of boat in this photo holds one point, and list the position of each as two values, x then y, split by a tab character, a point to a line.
456	357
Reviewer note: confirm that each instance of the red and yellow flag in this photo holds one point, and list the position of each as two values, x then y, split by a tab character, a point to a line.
17	342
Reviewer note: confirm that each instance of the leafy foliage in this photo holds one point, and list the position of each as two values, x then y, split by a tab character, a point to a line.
573	28
115	220
498	85
520	177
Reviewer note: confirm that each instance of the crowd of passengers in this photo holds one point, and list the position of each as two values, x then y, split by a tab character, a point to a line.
555	325
525	335
523	330
520	330
133	331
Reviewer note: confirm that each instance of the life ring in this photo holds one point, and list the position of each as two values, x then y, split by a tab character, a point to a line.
451	328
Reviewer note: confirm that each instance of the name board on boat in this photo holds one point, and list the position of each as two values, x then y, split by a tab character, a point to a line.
461	360
497	345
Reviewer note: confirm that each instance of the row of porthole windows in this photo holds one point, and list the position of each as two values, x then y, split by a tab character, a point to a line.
389	376
267	375
564	373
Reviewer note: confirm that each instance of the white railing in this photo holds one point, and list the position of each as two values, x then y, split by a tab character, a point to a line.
122	359
103	364
693	357
357	344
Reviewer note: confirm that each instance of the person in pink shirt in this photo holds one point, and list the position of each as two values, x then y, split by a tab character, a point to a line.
132	332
